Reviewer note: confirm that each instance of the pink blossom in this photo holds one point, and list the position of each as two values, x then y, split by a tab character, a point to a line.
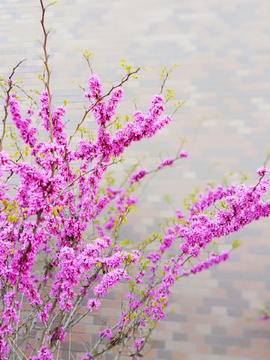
58	202
26	133
179	214
262	171
93	303
138	343
107	333
166	162
43	354
183	154
30	112
136	177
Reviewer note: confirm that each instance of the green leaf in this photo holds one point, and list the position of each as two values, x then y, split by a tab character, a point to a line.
236	244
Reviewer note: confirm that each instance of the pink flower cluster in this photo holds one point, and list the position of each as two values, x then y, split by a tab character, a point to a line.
243	205
44	315
93	303
136	177
145	126
183	154
166	162
26	133
212	260
56	119
109	281
43	354
138	343
107	333
54	205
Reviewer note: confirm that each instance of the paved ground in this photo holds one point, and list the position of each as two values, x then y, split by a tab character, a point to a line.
224	52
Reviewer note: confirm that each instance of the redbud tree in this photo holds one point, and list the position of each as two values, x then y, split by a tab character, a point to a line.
51	193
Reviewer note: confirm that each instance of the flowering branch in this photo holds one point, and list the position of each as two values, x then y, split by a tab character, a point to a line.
45	216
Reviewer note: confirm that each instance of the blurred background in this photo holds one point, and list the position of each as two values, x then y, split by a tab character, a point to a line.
224	52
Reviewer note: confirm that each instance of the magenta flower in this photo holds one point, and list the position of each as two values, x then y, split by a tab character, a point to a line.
138	343
107	333
93	303
183	154
136	177
167	162
262	171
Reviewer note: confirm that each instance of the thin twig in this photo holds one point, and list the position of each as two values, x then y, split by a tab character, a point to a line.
10	86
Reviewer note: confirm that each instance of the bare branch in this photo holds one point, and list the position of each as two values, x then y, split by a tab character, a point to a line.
8	94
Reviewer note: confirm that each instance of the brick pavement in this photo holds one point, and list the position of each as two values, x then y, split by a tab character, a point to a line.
224	51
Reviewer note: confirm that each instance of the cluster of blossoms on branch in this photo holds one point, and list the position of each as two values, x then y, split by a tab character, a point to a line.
48	216
46	220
